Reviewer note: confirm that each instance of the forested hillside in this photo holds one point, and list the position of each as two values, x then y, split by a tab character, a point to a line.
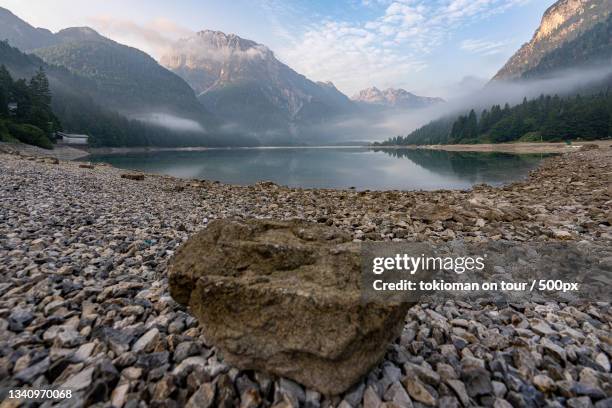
549	118
25	110
543	119
126	79
78	110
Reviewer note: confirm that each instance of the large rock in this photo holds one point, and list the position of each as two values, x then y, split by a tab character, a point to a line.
284	297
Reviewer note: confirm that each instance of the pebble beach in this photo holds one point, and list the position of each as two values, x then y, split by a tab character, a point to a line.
84	301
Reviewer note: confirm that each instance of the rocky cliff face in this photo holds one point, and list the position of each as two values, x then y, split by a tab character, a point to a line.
562	23
243	82
394	98
213	58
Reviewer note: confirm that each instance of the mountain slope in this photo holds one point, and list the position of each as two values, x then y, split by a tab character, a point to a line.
74	101
22	35
243	82
126	79
589	49
563	22
394	98
119	78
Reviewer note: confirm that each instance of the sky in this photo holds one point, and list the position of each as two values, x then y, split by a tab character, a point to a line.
430	47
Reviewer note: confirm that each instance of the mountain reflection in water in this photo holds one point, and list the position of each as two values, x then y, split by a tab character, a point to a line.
362	168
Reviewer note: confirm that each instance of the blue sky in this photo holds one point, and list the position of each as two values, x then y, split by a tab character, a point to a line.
424	46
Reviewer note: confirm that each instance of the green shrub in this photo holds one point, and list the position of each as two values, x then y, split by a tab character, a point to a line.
30	134
531	137
5	136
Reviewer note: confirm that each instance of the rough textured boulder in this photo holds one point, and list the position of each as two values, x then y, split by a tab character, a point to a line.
284	297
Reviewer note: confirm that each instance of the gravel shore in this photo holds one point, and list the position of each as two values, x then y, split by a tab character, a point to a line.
84	302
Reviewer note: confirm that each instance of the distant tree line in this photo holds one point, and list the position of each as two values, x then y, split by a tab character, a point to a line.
25	109
547	118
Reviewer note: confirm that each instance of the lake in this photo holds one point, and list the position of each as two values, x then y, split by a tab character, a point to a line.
362	168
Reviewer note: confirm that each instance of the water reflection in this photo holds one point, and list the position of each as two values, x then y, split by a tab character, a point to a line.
362	168
477	167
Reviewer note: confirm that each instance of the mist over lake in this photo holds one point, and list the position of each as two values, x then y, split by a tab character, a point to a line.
362	168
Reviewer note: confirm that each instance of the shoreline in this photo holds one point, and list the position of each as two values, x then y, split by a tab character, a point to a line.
516	148
65	152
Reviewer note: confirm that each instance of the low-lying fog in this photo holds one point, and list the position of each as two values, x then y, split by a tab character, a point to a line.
380	126
169	121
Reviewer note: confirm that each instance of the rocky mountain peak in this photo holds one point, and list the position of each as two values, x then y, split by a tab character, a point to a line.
219	40
79	34
393	97
243	82
557	15
563	22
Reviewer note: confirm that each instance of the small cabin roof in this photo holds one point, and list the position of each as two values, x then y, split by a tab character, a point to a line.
73	135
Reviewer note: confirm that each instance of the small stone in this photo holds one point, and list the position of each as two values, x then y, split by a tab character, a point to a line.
188	364
313	399
132	373
398	395
459	388
22	363
580	402
371	398
544	383
446	372
19	319
68	338
29	374
592	392
418	392
80	380
164	388
83	352
250	398
604	403
291	389
501	403
561	234
146	343
204	397
603	361
184	350
554	350
355	394
541	327
477	382
424	373
499	388
119	394
137	177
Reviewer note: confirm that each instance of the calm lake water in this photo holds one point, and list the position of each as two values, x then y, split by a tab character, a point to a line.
362	168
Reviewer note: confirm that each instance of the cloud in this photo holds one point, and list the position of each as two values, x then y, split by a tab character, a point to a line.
483	47
384	50
153	37
169	121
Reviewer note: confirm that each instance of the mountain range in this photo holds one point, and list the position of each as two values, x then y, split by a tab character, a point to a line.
573	46
213	83
243	83
213	88
394	98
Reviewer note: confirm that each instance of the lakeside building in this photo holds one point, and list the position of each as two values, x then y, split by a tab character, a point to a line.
71	138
